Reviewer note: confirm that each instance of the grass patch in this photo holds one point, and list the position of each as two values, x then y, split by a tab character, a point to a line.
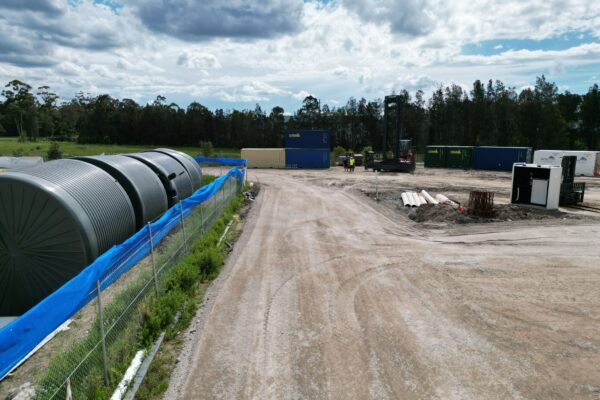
189	279
10	146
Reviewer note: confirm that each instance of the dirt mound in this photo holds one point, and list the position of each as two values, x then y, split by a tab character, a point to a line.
438	213
503	212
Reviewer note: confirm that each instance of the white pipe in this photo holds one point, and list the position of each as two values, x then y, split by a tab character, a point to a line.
225	232
405	199
422	199
128	377
418	199
443	199
411	201
415	199
428	197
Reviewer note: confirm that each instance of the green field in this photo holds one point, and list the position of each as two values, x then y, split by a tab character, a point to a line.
12	147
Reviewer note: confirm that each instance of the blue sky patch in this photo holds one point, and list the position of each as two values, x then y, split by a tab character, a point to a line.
498	46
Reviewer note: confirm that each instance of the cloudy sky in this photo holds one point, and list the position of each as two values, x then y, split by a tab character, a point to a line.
234	54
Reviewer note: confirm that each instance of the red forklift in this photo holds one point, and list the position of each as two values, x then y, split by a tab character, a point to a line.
404	153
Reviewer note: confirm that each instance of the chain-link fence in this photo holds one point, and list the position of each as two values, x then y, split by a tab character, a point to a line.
115	315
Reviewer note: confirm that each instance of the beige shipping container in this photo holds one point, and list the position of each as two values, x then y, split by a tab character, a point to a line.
264	158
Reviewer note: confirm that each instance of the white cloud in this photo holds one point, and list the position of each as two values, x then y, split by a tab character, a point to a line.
301	95
203	20
498	47
340	49
199	60
341	71
248	92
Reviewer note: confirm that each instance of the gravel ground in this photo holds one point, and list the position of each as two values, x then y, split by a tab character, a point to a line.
330	294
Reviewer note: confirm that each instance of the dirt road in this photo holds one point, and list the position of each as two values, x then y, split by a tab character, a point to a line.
328	295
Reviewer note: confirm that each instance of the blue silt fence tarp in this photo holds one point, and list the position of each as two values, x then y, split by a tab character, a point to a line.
242	162
21	336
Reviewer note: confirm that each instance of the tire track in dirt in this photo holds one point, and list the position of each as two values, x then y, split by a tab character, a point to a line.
334	297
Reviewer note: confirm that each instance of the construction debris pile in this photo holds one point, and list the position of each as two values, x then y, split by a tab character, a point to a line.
441	209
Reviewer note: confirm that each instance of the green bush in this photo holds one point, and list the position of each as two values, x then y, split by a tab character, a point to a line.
366	149
54	152
210	262
158	315
183	277
338	151
203	263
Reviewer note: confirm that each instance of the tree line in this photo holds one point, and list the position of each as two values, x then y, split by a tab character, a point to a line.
488	114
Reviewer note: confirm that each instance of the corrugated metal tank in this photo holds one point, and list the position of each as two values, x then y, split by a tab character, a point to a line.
144	188
500	158
460	157
307	158
308	139
264	158
173	175
55	219
435	157
190	165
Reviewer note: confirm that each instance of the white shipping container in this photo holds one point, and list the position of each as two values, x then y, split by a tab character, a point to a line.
588	162
264	158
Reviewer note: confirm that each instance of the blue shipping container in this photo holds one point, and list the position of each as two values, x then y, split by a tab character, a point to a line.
500	158
307	158
306	139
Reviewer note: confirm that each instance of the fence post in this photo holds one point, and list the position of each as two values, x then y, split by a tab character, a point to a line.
102	336
183	227
201	206
212	214
153	260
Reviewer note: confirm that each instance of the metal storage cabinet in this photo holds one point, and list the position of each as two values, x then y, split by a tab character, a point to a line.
264	158
435	157
500	158
307	158
460	157
307	139
144	188
55	219
536	185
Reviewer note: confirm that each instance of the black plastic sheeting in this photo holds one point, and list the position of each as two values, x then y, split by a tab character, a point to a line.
144	188
55	219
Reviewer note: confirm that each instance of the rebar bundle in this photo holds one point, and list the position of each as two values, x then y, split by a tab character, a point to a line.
481	204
